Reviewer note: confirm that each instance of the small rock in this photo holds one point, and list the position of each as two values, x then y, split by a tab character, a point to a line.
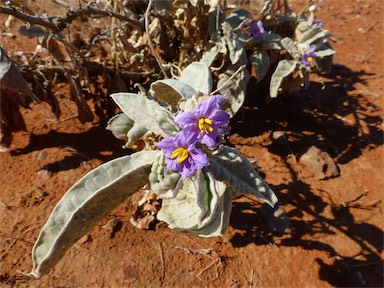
320	163
42	155
114	225
44	173
279	137
86	238
129	274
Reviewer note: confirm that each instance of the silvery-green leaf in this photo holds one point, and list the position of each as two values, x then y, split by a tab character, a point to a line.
220	223
162	183
198	76
86	203
260	61
324	53
146	112
283	69
236	49
314	36
234	90
288	45
120	124
210	56
235	170
271	37
171	90
303	26
135	133
196	207
237	18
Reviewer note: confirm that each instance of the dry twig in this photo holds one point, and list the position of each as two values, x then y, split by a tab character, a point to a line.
57	24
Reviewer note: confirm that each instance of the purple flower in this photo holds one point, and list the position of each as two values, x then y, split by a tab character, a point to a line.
308	56
256	29
318	23
206	123
182	154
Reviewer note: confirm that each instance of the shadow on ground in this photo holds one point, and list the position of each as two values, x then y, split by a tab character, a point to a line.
319	116
96	143
343	125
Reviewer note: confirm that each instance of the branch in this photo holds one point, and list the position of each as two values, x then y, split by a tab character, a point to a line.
35	20
57	24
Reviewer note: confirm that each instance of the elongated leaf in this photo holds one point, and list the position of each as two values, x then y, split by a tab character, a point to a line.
198	76
312	36
210	56
146	113
260	61
237	18
283	69
86	203
234	89
171	91
235	170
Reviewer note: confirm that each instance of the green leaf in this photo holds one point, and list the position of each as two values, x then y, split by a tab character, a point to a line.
235	170
147	113
260	62
283	69
86	203
234	89
198	207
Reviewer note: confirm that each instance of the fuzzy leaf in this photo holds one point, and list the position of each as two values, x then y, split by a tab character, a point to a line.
324	53
198	76
146	113
198	207
236	49
234	90
237	18
120	124
162	183
86	203
210	56
288	45
314	36
171	91
283	69
235	170
260	61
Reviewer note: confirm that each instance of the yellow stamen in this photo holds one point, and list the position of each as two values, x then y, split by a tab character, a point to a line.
204	125
309	59
180	152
